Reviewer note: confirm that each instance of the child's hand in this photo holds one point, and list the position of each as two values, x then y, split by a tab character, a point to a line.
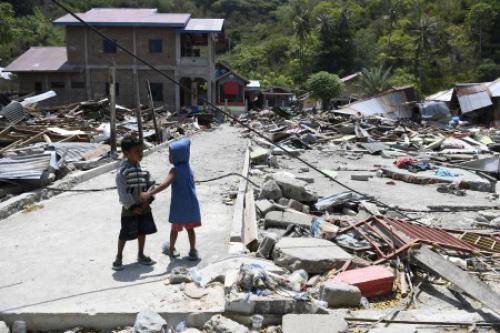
145	196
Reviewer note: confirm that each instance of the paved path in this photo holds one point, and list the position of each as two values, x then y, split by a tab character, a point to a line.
58	258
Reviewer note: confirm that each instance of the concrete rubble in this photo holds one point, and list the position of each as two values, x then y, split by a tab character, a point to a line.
148	321
348	247
43	144
221	324
340	294
293	323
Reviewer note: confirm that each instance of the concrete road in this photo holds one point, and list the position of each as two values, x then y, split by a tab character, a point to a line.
57	257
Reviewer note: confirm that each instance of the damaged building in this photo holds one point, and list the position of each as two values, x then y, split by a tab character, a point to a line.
181	46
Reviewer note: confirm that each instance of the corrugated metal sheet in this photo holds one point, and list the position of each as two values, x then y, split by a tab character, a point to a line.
392	104
127	17
42	59
204	25
495	88
71	151
13	112
442	96
26	167
474	101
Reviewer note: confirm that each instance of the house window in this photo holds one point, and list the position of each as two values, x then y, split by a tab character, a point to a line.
57	85
117	89
155	46
77	85
108	46
157	91
38	87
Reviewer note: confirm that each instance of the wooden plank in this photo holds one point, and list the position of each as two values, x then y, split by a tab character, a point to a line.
153	113
99	151
237	224
473	287
112	109
250	228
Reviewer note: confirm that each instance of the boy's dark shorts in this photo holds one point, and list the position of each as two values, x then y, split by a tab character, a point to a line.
135	225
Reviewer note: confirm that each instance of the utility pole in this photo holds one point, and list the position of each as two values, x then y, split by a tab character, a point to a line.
153	113
112	109
138	113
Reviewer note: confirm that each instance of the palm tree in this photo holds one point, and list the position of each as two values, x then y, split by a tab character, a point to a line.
301	19
374	80
424	30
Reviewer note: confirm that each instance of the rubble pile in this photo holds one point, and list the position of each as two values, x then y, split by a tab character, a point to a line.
358	247
41	144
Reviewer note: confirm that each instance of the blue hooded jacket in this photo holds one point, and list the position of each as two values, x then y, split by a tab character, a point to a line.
184	206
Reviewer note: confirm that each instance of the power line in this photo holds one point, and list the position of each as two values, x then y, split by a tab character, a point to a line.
228	114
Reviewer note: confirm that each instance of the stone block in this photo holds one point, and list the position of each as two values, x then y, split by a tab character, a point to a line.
340	294
363	178
221	324
317	323
259	155
265	206
270	190
315	256
266	246
148	321
293	188
242	303
277	219
294	204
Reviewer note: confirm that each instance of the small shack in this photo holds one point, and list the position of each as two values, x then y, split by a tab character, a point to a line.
277	97
231	89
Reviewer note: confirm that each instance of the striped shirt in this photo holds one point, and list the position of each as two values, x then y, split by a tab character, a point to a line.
131	180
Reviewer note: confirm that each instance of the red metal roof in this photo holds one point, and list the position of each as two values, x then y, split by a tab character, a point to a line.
42	59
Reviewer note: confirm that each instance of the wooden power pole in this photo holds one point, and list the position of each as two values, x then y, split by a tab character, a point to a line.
138	113
153	113
112	110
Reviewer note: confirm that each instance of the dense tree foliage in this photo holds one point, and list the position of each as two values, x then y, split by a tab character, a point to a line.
324	86
429	43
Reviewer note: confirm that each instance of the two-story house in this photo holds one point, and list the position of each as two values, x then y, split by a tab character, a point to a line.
181	46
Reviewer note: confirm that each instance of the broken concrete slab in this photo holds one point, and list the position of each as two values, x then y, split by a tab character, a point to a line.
244	303
266	246
270	190
293	188
315	256
340	294
265	206
277	219
221	324
259	156
466	179
149	321
475	288
295	205
317	323
363	178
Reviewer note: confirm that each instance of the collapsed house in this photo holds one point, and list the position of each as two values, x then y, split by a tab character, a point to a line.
396	103
473	102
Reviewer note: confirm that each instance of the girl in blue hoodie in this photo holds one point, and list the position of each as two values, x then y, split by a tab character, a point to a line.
184	206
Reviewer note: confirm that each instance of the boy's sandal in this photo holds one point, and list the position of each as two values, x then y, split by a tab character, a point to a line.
174	254
117	265
144	260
